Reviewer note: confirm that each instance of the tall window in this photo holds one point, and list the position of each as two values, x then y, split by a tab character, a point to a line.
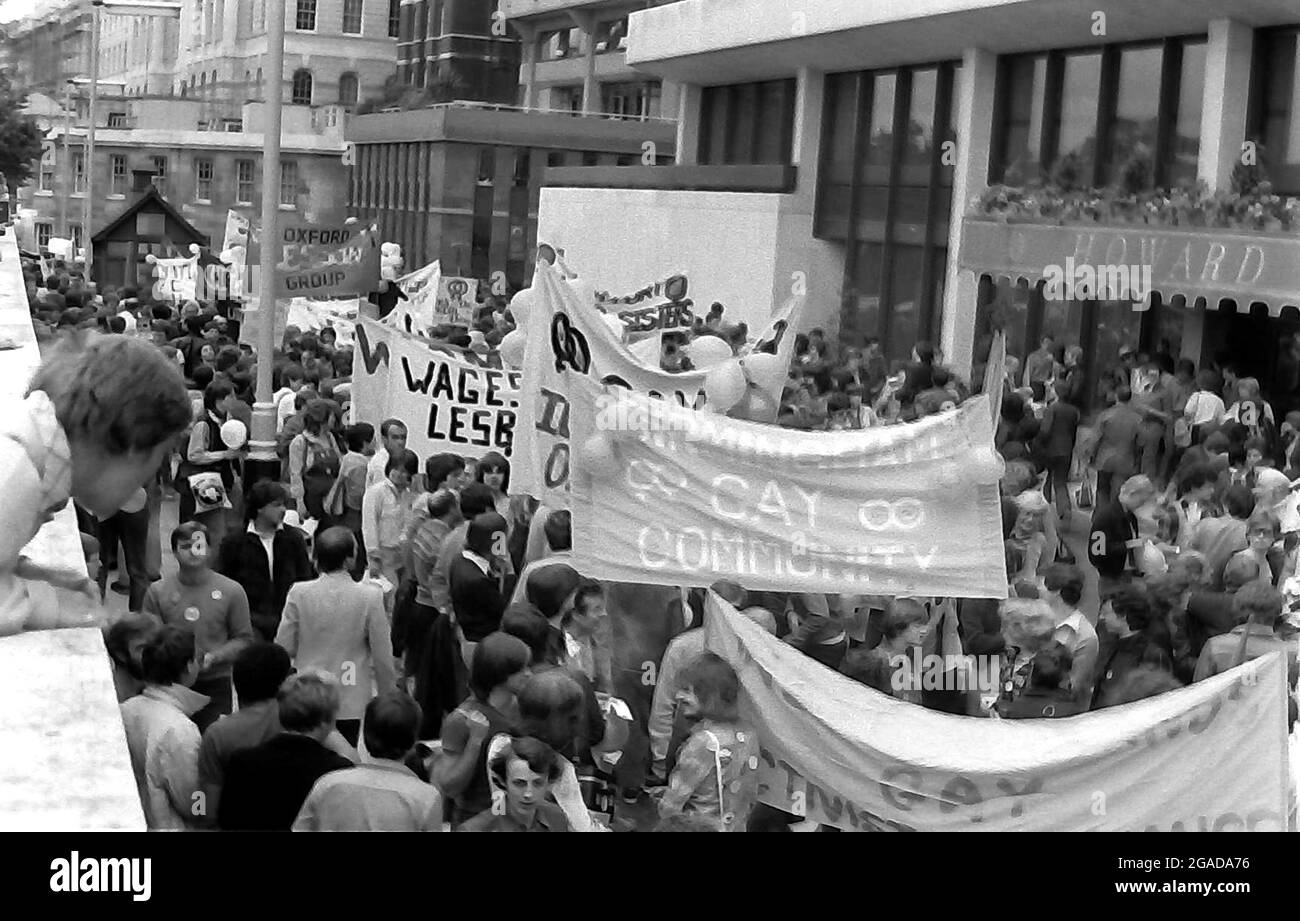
78	173
43	233
74	234
244	182
160	175
117	185
747	123
306	18
1119	113
1275	109
348	89
560	43
394	18
46	182
288	183
352	17
885	190
301	88
203	180
259	15
632	100
611	36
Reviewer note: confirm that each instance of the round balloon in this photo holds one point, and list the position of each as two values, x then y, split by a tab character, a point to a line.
725	384
512	348
757	405
521	305
599	459
234	433
707	351
765	370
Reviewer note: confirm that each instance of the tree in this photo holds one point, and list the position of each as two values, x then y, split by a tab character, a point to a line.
20	138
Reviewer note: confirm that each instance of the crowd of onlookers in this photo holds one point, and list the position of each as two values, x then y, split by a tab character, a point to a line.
330	612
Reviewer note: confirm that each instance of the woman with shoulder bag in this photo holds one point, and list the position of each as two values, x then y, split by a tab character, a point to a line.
207	477
314	462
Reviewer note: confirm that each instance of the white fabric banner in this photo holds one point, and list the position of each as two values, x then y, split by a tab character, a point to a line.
569	341
415	313
674	496
451	400
177	278
1209	757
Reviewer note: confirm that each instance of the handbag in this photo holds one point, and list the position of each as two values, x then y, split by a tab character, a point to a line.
1083	497
1063	552
333	503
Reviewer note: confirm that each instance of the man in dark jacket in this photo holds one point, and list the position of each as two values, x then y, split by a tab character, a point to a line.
267	558
1055	443
478	595
266	785
1114	533
1115	454
1130	641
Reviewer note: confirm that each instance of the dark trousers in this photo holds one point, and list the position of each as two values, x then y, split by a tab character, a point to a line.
1058	483
132	530
1105	483
222	703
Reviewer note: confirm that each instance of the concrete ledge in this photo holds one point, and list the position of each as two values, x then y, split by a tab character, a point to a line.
760	178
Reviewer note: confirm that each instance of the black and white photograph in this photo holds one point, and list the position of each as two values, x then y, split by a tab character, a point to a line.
634	416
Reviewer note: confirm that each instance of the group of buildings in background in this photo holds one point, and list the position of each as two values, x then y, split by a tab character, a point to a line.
434	118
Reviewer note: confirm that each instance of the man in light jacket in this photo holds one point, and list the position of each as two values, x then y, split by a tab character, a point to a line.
339	626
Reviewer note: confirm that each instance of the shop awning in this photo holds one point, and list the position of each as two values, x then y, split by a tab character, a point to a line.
1217	265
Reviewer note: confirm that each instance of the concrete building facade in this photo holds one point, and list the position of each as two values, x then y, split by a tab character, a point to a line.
43	51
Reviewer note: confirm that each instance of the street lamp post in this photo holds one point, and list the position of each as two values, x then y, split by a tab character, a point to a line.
113	8
261	443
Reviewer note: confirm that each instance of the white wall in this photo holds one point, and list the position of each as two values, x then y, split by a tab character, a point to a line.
726	243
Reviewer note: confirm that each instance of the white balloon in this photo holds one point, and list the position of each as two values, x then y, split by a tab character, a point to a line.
512	348
707	351
521	305
599	459
234	433
757	405
725	384
646	351
765	370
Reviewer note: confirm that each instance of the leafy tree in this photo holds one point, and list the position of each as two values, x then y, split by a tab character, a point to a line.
20	138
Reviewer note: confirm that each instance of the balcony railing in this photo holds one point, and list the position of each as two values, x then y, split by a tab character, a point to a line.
537	110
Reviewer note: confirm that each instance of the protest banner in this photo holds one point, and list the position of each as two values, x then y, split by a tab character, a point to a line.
325	260
453	400
1208	757
653	309
414	312
176	278
670	495
315	315
567	339
456	301
995	374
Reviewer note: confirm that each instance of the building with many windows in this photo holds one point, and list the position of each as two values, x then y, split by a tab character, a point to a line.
460	183
930	166
43	51
575	59
457	50
336	52
153	142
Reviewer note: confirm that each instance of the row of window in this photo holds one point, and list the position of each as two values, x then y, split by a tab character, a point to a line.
120	183
626	100
305	16
557	44
45	230
300	92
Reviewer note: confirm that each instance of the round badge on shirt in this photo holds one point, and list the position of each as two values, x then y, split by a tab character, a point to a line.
191	614
216	594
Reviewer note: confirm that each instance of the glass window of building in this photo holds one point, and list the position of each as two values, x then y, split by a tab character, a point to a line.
611	36
306	15
288	183
349	89
244	182
74	234
1143	98
160	175
45	182
301	90
885	192
203	179
352	10
117	175
43	233
747	123
394	18
560	43
1276	107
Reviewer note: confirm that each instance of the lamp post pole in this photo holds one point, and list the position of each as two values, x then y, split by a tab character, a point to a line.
262	438
88	158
